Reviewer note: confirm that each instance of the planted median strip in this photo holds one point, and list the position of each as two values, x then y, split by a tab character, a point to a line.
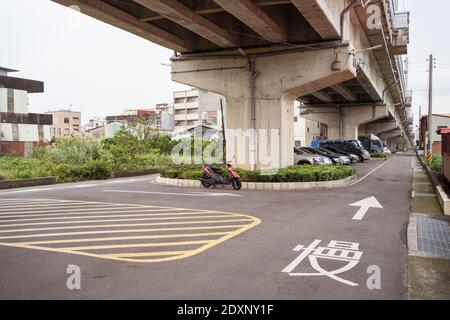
291	178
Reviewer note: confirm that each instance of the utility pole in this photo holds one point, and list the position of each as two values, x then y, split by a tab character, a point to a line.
224	137
430	109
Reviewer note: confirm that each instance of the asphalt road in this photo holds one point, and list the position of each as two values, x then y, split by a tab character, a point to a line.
134	239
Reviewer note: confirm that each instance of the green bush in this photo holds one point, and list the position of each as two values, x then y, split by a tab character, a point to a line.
378	155
93	170
436	163
291	174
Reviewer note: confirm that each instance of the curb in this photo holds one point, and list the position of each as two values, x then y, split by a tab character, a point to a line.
22	183
261	186
443	198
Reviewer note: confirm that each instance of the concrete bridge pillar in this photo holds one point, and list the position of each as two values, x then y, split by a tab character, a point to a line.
260	93
344	121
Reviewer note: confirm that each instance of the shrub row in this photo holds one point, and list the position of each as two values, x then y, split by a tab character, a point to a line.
291	174
378	155
436	163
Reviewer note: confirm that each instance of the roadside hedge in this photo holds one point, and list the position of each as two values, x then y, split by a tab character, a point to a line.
436	163
378	155
306	173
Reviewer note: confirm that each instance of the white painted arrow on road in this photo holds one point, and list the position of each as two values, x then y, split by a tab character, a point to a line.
365	205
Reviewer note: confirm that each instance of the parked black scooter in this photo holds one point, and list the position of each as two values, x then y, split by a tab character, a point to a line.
214	176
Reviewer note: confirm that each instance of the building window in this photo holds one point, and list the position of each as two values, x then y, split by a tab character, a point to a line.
66	120
298	144
295	119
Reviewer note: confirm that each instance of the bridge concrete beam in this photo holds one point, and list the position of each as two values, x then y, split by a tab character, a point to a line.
322	15
256	18
344	121
187	18
377	127
103	11
391	134
264	105
396	143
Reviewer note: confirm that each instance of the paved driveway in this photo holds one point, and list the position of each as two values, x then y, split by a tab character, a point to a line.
134	239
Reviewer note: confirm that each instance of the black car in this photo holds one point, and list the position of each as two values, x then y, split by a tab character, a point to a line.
348	146
353	157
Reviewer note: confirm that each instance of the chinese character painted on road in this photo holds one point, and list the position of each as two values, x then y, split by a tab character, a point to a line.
347	252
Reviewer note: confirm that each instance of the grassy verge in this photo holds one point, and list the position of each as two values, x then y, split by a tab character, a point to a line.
435	164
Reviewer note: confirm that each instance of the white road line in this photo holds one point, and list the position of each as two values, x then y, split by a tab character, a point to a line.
75	186
191	194
365	176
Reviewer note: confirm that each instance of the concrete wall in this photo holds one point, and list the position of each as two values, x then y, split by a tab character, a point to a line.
20	100
24	132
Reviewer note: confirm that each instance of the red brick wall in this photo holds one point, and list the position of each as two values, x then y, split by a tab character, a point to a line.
14	147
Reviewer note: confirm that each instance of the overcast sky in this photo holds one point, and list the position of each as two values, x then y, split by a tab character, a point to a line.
100	70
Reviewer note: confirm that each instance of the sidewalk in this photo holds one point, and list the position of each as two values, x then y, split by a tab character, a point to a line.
428	241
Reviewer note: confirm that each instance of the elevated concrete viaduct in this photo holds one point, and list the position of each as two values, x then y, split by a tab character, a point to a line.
340	58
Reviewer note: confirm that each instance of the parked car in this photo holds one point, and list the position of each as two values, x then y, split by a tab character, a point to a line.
372	143
350	146
353	157
336	158
325	159
302	157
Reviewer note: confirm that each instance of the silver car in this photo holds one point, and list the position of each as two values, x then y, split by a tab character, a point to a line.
302	157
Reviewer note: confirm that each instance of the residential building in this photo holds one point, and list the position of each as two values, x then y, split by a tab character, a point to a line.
20	131
95	122
66	123
197	106
106	131
439	121
161	114
306	131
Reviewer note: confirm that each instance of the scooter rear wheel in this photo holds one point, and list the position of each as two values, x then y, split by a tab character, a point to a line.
206	185
237	184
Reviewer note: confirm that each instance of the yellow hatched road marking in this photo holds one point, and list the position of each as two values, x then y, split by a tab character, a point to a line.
124	225
108	216
93	212
137	245
145	254
73	210
32	207
77	215
164	236
105	220
42	235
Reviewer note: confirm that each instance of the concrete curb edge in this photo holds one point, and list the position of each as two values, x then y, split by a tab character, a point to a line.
260	186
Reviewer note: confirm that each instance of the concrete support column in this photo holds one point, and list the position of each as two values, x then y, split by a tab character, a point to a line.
260	93
343	121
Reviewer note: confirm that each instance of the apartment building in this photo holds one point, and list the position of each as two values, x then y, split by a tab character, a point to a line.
439	121
20	131
66	123
306	131
197	106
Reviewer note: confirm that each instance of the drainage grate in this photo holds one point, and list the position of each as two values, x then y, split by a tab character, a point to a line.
433	236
